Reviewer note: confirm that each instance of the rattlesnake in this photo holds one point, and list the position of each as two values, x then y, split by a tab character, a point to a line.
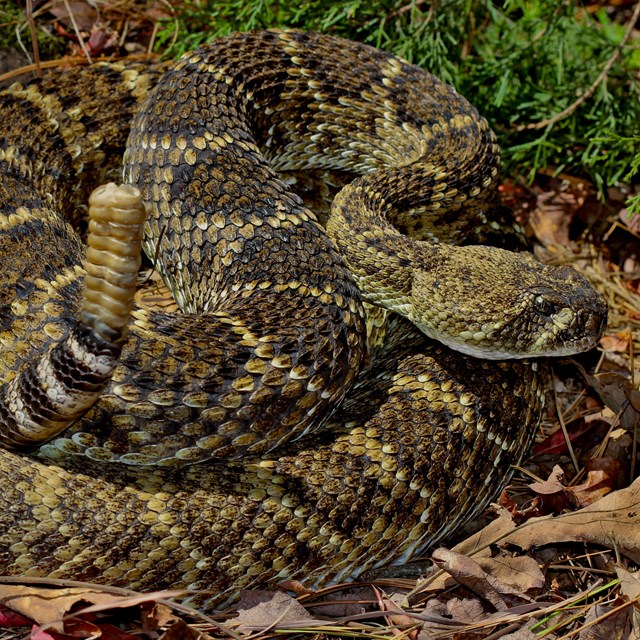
272	334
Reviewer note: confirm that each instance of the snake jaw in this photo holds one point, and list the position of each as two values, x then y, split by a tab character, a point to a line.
578	330
572	313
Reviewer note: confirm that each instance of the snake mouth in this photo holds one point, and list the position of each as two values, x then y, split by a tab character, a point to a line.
586	330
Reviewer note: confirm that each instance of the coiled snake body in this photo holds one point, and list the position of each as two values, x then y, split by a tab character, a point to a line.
271	335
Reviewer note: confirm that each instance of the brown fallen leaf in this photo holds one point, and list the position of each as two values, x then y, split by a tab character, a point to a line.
618	342
629	583
630	589
471	575
631	222
554	497
396	617
517	575
605	621
619	441
156	616
507	502
82	13
553	484
465	610
525	633
551	218
48	607
520	512
507	573
478	544
602	477
180	630
551	496
442	616
262	610
612	520
618	393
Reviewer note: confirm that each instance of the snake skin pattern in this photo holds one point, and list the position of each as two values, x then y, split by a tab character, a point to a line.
321	455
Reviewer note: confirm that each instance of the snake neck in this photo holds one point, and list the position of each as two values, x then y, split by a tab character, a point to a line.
430	198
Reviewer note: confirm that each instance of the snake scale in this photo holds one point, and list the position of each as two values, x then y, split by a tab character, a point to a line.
257	434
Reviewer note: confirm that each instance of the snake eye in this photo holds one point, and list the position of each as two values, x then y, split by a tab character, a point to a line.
544	306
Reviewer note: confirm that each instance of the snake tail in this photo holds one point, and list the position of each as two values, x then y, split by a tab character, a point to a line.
61	386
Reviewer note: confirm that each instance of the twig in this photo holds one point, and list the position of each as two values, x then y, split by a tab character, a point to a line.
34	39
76	61
591	90
563	426
58	583
76	29
414	4
599	619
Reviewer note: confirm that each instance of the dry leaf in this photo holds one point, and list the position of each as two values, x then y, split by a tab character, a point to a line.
507	574
396	616
618	443
612	520
478	543
470	574
554	497
553	484
525	633
602	621
602	476
444	616
516	574
261	610
618	342
83	14
632	223
630	589
155	616
551	495
465	610
629	583
617	392
180	630
48	607
551	218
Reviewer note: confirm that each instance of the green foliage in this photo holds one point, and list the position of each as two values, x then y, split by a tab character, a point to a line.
14	32
628	146
518	61
534	64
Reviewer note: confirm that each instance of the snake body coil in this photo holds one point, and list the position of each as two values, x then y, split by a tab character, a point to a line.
331	466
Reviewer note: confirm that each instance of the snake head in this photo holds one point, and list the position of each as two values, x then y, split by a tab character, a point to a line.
496	304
